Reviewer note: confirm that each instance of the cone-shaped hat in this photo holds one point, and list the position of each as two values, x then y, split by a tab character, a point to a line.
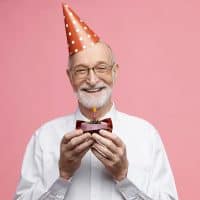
79	35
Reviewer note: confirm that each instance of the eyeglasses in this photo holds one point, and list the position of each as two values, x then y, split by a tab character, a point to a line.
83	71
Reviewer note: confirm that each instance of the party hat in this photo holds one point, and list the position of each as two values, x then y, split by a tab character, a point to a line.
79	35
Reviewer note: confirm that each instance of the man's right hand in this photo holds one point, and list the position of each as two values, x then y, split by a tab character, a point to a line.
74	146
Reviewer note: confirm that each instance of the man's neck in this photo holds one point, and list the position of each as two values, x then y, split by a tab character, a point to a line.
100	112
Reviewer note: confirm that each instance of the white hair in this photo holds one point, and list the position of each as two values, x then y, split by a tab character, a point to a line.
89	101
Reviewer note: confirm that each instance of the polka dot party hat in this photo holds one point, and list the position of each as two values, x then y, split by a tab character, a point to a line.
79	35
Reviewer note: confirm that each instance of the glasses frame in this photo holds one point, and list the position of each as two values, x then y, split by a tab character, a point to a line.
109	69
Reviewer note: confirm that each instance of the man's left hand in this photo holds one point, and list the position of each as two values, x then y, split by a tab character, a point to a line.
111	151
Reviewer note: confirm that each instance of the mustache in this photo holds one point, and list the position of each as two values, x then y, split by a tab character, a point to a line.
97	86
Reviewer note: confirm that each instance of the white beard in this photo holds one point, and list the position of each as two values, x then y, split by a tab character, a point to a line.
97	100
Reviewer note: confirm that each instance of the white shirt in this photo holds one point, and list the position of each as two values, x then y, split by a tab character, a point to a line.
149	169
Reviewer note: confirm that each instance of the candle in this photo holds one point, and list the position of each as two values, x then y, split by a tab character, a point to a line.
94	110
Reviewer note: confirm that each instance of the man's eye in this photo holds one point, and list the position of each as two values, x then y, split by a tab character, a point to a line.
101	67
81	71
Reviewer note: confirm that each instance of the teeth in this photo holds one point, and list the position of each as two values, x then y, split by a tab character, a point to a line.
93	90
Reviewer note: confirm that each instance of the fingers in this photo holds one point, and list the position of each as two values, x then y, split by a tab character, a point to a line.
67	137
76	154
81	148
77	140
74	146
85	151
103	151
112	137
105	141
101	157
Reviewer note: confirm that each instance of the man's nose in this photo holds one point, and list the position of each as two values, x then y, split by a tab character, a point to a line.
92	78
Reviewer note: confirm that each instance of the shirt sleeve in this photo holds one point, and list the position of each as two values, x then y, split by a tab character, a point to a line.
57	191
161	182
130	192
31	185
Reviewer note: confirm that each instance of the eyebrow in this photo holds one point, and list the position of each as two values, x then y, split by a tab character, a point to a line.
84	65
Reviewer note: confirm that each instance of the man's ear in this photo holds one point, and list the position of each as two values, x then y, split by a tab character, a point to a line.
116	67
69	75
70	78
115	71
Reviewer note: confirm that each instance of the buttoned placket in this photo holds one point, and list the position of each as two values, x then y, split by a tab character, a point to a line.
94	185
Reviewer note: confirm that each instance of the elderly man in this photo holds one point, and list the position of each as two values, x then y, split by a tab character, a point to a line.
97	152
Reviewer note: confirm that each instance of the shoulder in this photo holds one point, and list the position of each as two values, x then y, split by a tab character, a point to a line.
57	123
51	132
139	135
132	128
134	121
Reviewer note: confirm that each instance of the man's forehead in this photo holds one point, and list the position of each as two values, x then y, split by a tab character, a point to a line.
100	52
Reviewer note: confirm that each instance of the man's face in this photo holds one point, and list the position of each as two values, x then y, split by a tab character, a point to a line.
93	87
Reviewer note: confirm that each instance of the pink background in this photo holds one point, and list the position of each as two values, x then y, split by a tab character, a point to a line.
157	45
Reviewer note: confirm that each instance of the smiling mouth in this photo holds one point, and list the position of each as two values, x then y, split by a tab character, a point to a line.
93	90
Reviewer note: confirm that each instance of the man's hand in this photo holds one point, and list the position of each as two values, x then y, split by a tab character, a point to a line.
74	146
111	151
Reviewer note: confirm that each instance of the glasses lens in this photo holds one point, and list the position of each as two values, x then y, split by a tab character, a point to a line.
80	71
102	68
